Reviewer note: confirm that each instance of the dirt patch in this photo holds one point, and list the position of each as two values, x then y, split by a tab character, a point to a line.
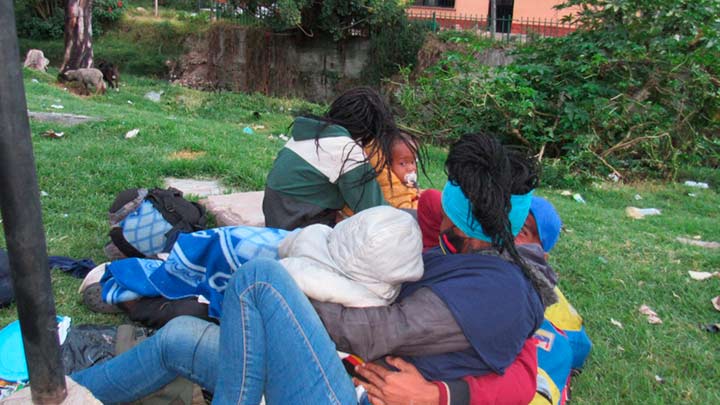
187	155
75	88
431	52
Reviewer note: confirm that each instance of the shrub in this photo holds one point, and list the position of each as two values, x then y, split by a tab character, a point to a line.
45	19
393	45
635	90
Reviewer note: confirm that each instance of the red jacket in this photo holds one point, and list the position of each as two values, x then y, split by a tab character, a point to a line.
516	386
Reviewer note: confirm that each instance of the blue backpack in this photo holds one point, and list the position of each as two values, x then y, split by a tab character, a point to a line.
146	222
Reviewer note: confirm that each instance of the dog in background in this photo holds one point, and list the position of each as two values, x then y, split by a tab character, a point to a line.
86	77
111	74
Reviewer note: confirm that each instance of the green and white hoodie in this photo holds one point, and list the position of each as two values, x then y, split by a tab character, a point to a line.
310	180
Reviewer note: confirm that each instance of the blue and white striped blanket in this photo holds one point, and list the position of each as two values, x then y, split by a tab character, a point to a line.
200	263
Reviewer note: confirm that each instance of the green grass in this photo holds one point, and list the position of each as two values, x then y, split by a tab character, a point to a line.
609	264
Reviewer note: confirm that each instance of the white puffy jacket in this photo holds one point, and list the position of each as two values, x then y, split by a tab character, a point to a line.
362	262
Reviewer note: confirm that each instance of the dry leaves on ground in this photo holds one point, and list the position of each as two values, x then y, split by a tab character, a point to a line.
652	316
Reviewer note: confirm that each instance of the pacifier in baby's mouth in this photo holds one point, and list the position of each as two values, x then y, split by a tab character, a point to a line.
411	179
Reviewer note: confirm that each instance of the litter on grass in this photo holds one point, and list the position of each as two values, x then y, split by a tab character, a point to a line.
711	327
35	81
130	102
700	243
132	133
652	316
52	134
659	379
703	275
616	323
154	96
640	213
566	193
283	137
602	260
256	127
44	193
57	106
578	198
638	197
716	302
696	184
248	131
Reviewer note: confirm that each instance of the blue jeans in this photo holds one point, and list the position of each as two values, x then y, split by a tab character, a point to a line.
271	341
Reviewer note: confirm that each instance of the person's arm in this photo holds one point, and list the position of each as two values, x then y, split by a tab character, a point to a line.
407	385
359	192
420	324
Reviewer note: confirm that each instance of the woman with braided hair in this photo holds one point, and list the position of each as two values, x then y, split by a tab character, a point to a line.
326	164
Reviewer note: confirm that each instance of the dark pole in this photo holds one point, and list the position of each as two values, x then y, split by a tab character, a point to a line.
22	221
493	16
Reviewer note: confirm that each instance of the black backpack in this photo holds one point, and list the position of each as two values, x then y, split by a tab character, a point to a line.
146	222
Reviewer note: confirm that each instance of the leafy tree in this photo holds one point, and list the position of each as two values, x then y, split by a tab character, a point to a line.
636	89
337	18
45	19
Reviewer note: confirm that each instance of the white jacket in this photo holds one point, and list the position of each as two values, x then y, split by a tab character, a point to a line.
361	262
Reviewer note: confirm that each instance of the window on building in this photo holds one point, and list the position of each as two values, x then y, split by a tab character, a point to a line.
436	3
504	9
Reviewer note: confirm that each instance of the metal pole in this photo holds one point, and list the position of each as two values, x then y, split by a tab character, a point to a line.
22	221
493	17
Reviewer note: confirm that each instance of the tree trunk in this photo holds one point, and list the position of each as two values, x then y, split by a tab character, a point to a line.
156	8
78	35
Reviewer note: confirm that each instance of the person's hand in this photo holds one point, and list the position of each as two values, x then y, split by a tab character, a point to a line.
404	387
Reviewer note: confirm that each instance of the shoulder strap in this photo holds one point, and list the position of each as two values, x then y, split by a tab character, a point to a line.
126	202
117	238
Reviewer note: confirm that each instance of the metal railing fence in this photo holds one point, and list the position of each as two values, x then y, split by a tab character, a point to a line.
507	28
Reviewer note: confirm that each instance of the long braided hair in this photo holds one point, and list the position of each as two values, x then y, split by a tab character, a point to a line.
479	164
488	174
525	170
368	119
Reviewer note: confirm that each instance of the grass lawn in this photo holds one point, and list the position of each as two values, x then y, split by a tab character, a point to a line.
609	264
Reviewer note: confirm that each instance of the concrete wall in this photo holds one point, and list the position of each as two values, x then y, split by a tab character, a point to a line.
287	65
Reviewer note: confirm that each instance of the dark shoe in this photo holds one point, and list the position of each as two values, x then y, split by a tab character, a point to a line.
92	298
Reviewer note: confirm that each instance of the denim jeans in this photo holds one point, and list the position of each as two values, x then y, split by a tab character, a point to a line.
271	342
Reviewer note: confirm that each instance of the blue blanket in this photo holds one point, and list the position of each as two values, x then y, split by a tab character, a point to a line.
200	263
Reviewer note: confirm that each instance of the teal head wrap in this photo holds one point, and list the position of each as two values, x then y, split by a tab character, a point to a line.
459	209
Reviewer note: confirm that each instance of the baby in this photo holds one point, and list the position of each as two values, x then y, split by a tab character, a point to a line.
403	162
399	184
397	177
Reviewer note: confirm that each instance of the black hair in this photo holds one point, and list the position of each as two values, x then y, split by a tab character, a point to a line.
525	170
480	166
488	174
368	119
363	112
